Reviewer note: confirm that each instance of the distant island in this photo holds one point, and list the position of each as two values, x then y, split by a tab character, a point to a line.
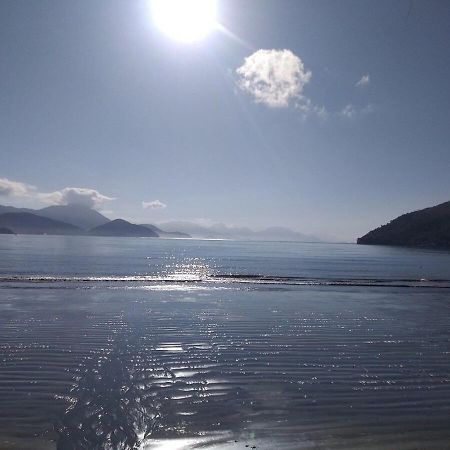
73	220
427	228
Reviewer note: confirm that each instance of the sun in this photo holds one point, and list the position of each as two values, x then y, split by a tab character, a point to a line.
185	20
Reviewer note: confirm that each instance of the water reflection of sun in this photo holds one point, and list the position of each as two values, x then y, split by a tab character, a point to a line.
189	269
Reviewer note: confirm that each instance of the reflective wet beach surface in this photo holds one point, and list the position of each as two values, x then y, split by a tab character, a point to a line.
152	344
190	365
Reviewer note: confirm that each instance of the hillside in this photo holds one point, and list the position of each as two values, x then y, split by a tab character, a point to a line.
84	219
80	216
122	228
13	209
166	234
428	227
28	223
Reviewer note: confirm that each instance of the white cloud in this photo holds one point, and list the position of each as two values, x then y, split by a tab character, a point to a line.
363	81
273	77
307	108
9	188
90	198
154	204
67	196
350	111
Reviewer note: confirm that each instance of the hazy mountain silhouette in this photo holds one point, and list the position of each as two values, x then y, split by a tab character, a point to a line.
428	227
78	215
122	228
166	234
81	220
12	209
6	231
92	222
222	231
28	223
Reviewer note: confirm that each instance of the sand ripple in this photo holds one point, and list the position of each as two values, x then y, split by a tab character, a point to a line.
302	367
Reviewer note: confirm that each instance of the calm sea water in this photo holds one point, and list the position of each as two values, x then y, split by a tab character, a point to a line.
122	343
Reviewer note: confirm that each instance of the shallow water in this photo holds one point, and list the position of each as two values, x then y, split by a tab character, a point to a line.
222	345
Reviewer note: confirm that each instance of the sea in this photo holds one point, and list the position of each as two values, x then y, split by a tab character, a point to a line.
141	343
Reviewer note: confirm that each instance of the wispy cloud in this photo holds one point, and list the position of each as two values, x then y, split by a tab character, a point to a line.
9	188
363	81
154	204
350	111
308	108
90	198
273	77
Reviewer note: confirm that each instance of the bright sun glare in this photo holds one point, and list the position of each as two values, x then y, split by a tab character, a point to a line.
185	20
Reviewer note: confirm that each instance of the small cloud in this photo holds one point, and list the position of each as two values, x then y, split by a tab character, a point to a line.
350	111
308	108
9	188
90	198
273	77
363	81
154	204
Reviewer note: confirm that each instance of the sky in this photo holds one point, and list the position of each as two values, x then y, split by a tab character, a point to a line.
327	117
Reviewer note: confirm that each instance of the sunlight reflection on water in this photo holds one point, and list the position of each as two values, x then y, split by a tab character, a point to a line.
187	269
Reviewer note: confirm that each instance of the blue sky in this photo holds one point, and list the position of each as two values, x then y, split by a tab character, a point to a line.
94	96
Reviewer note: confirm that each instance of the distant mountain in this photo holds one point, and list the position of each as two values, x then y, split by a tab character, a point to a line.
222	231
8	209
6	231
166	234
284	234
120	227
428	227
80	216
28	223
83	219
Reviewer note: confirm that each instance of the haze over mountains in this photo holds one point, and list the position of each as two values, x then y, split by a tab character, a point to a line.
80	216
222	231
77	215
78	220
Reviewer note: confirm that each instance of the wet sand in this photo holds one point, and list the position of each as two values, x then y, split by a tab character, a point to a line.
228	366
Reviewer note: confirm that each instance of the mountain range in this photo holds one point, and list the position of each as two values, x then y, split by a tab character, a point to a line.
429	227
73	220
222	231
81	220
28	223
120	227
